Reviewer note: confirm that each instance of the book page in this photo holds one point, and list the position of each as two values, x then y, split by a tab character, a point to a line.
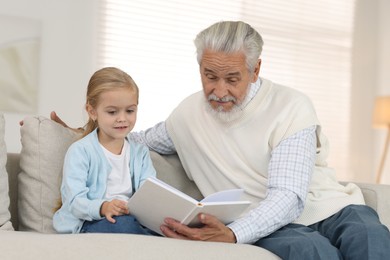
172	189
226	212
153	202
225	195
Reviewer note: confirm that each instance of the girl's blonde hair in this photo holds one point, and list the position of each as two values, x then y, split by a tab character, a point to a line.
103	80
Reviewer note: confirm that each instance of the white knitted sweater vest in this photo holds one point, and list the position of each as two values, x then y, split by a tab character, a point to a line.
219	155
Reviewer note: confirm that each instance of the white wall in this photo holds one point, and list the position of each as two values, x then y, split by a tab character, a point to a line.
382	84
67	43
364	78
371	77
68	28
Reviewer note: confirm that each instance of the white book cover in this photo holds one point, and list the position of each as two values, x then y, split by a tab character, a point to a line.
156	200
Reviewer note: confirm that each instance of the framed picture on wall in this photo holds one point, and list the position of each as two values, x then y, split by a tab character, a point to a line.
19	64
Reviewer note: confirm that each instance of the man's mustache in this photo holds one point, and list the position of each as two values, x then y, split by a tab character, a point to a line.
213	97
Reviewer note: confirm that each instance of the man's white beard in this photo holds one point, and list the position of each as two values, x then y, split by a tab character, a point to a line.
224	116
231	115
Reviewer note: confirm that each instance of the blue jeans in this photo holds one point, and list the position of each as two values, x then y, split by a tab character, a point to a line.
355	232
124	224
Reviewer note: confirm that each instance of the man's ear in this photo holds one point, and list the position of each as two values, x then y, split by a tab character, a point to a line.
256	71
91	112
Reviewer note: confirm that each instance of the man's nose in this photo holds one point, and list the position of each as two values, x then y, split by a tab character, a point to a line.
221	89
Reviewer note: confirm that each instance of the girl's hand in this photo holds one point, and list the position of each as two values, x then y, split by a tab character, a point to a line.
114	208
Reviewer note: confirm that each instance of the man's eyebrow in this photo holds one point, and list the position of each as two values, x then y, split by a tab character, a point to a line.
208	70
234	74
230	74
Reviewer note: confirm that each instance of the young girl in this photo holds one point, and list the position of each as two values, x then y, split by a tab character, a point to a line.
103	169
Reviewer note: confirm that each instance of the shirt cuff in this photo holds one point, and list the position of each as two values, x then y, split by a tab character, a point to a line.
243	231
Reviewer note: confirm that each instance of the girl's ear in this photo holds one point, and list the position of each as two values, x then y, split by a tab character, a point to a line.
91	112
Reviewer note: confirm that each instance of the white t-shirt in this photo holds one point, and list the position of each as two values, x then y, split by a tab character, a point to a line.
119	184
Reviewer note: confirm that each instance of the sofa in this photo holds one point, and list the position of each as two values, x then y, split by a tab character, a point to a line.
34	177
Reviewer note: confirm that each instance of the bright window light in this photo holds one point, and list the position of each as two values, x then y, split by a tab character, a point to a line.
308	46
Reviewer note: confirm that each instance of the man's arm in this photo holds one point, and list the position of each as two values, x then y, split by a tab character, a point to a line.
289	175
156	138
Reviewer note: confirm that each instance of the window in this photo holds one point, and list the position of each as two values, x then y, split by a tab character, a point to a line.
307	46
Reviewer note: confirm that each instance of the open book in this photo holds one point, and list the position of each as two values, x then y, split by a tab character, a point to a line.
155	200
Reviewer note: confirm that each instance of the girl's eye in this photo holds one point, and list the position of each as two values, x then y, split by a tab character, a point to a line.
111	112
130	111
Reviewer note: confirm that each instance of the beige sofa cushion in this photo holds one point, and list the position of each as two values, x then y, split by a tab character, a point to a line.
44	144
34	246
5	216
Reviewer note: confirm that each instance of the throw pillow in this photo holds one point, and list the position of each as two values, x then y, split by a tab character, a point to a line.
44	144
5	216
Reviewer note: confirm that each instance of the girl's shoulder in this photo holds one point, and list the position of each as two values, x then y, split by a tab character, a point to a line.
85	144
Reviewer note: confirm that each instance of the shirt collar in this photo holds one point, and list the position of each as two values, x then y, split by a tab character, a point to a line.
253	89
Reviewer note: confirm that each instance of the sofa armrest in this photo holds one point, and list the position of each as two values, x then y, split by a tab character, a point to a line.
377	197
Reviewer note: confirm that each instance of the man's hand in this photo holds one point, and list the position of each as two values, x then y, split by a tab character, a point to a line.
213	230
114	208
57	119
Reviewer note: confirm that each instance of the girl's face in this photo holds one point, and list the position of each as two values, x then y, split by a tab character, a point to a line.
116	114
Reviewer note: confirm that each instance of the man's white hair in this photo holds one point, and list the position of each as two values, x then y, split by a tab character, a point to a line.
231	37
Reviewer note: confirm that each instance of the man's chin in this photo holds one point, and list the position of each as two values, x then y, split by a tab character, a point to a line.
221	109
222	106
223	115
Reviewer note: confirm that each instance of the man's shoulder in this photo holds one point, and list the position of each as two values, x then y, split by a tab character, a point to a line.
194	96
284	92
193	99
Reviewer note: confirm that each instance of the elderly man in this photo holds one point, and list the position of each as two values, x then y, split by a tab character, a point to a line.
244	131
